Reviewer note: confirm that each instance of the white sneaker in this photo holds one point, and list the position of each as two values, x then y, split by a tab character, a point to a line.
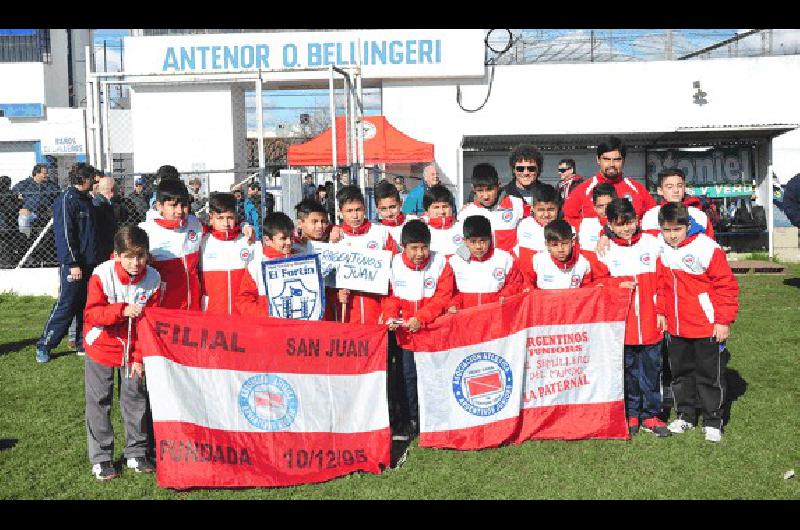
712	434
680	426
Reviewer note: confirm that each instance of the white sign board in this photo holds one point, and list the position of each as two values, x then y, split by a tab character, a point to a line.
395	53
356	268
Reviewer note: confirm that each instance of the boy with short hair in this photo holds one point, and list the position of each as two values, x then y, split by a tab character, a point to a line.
591	227
224	256
672	187
119	290
175	240
503	211
631	259
530	232
446	234
312	223
483	274
421	284
564	265
357	231
698	299
389	206
278	242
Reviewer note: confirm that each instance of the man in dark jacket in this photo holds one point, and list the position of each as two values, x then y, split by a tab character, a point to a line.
791	200
106	215
37	195
526	166
75	230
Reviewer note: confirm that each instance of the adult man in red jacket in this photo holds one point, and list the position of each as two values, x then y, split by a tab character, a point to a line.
611	159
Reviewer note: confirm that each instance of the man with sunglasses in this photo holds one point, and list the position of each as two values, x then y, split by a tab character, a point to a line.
568	179
526	166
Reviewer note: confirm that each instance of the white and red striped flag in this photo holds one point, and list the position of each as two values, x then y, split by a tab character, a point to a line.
263	401
548	365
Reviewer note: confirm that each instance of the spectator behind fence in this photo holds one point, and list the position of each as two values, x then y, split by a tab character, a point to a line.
37	194
75	231
252	207
137	201
199	198
309	189
413	202
107	219
10	244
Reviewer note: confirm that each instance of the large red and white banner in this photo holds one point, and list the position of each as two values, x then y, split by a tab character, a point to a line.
547	365
263	401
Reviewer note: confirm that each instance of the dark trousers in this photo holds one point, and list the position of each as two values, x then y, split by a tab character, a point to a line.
402	385
99	380
643	380
70	304
698	378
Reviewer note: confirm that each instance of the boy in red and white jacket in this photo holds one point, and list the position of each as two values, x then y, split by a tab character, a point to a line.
175	240
503	211
591	227
631	258
421	285
564	265
530	232
118	291
446	234
359	307
389	206
672	187
278	242
698	299
483	274
224	256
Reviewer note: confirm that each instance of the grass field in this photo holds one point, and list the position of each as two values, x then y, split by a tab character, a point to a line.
44	441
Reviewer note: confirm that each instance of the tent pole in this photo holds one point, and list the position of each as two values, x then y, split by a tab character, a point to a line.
334	162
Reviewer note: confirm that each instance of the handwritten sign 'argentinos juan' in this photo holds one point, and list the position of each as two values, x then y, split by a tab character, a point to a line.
358	269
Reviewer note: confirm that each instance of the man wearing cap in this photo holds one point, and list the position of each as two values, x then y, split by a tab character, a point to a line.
138	201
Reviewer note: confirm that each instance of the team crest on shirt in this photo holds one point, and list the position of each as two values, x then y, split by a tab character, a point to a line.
458	239
499	273
429	283
507	215
645	258
575	281
245	254
192	235
690	261
482	383
372	245
268	402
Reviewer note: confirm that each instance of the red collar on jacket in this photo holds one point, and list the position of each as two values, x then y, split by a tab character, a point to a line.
567	265
410	264
489	254
625	243
271	253
688	240
125	278
357	231
397	221
687	201
226	235
601	179
171	224
442	223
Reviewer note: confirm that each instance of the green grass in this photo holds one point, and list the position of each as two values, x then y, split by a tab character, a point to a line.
41	406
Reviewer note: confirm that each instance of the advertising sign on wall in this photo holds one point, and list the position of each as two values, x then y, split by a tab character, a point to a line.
707	167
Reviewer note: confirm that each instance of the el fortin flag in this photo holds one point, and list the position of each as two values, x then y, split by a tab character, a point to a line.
264	401
548	365
294	287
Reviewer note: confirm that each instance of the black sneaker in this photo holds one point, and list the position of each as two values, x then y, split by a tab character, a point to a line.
104	471
141	464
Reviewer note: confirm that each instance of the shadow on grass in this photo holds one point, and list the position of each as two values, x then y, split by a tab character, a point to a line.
736	389
12	347
792	282
7	443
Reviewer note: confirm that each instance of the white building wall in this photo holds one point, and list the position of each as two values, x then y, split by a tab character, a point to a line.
55	72
21	83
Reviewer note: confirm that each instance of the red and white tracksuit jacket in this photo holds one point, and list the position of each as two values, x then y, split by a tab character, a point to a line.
650	219
224	256
175	253
422	291
530	236
446	234
361	308
636	260
589	232
504	217
696	288
251	296
395	227
485	280
579	204
546	272
105	328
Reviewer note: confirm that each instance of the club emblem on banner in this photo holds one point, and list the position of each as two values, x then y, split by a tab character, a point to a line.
482	383
268	402
294	287
295	301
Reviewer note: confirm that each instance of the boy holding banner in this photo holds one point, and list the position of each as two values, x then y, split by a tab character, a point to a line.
224	256
421	287
119	290
446	235
483	274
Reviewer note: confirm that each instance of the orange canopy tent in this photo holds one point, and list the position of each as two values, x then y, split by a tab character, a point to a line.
383	144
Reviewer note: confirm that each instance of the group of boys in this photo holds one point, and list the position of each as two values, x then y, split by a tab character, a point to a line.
500	246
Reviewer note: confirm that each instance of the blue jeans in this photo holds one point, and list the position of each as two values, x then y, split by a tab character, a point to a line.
643	380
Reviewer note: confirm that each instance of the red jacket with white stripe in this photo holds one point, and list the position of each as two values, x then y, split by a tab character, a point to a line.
224	256
362	308
696	288
446	234
546	272
504	218
636	260
175	254
251	296
105	328
589	232
650	218
485	280
395	226
579	204
530	235
422	291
